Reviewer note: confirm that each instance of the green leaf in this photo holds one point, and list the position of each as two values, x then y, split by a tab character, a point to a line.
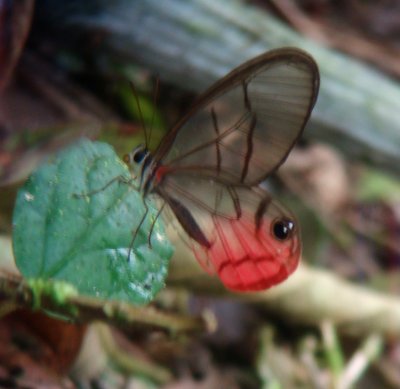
85	240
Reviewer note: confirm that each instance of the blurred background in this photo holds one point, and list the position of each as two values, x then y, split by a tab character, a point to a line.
66	69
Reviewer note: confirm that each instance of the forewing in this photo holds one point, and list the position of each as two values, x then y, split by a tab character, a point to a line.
231	231
244	126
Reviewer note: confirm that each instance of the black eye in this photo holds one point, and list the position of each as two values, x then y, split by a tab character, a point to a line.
139	155
283	228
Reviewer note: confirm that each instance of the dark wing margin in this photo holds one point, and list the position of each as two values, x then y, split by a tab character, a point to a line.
243	127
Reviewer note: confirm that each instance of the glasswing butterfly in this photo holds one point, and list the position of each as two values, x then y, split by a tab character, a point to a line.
209	167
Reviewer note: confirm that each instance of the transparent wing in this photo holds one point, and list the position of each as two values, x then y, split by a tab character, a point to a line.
207	169
244	126
232	231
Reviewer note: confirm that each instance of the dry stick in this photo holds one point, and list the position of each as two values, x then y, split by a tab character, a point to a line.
308	357
86	309
125	361
309	296
368	352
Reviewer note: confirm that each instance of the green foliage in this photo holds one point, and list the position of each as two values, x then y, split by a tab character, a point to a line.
85	240
377	185
142	109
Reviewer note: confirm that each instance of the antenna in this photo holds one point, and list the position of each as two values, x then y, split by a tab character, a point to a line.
155	98
136	95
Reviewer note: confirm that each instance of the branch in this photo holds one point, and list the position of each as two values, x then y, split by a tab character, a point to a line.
309	296
62	300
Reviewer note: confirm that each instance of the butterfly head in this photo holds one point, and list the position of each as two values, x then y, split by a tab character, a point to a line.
138	160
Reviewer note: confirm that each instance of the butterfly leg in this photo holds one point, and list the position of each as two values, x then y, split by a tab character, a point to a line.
154	223
134	234
119	179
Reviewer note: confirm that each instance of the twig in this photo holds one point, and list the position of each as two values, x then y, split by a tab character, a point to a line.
127	362
60	299
369	351
309	296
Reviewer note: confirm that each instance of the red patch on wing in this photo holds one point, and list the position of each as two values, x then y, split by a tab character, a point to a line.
247	259
160	172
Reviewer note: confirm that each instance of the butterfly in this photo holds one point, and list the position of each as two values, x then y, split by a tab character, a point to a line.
209	167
